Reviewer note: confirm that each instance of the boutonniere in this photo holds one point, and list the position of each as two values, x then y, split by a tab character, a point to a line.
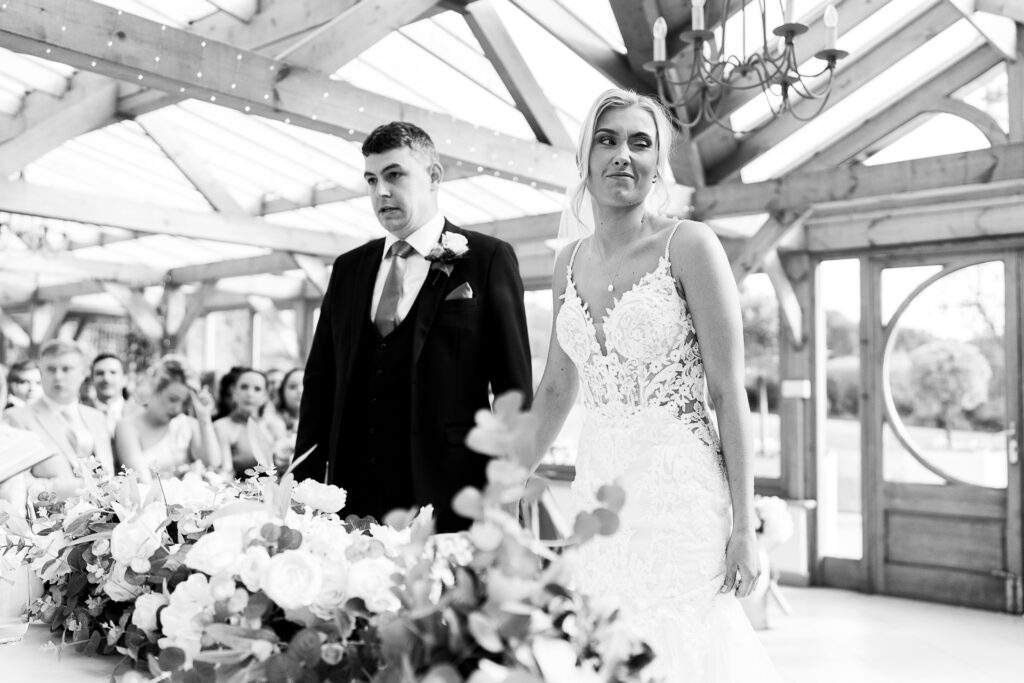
449	249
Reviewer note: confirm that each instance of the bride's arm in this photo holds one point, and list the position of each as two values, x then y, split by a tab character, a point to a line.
712	297
557	390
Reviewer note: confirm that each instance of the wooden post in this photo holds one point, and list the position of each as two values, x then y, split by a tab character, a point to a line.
795	372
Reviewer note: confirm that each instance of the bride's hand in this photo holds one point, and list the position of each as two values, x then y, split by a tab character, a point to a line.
742	563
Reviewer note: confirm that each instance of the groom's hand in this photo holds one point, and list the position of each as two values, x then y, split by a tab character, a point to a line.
742	563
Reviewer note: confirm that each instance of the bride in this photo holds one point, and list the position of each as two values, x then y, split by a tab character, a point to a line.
644	308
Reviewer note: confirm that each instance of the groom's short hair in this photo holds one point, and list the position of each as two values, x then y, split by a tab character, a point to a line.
401	134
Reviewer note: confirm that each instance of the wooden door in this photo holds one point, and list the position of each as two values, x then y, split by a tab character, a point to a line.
942	412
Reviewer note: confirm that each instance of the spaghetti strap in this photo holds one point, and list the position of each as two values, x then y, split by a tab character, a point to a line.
572	259
669	242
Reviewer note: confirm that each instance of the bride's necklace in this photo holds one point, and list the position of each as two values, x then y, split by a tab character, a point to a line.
613	278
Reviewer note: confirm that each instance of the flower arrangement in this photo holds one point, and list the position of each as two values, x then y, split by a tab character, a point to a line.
775	526
204	579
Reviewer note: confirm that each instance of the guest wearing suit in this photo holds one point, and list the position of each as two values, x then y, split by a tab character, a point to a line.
415	329
72	430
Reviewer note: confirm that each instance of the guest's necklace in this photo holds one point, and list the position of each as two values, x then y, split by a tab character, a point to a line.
613	278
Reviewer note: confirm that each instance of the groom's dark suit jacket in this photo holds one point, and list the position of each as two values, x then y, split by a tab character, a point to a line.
458	348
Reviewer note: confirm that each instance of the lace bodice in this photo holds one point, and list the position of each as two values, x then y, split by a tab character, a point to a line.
652	358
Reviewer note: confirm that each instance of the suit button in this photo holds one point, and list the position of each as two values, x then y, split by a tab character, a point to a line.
373	460
373	401
383	346
379	373
373	430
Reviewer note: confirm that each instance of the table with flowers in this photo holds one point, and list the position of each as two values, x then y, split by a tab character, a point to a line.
202	579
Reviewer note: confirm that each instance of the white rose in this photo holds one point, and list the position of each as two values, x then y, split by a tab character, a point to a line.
454	242
392	539
139	537
370	579
117	588
146	607
191	491
215	552
189	609
326	538
251	565
332	591
292	579
324	497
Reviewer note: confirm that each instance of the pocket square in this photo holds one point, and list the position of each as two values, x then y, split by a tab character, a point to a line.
463	291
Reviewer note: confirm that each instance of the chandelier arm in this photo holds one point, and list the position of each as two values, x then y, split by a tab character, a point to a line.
823	102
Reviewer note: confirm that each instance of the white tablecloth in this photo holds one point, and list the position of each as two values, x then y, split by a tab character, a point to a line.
26	661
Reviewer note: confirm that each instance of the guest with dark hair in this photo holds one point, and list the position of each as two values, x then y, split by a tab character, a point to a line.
416	328
24	384
107	375
245	423
224	389
288	398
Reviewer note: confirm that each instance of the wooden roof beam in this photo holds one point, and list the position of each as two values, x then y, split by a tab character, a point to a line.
337	193
353	31
192	165
254	83
802	190
529	97
46	202
1011	9
46	122
583	41
911	105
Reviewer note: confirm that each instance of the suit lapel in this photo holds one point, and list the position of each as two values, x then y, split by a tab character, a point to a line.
55	427
430	300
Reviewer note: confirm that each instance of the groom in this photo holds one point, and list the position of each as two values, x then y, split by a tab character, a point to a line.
415	328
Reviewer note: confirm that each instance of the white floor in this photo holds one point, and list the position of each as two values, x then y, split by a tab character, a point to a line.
845	637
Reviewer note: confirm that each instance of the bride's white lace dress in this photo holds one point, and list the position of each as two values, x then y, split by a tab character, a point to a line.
647	429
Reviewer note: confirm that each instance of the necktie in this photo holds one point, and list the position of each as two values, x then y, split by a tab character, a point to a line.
386	319
78	435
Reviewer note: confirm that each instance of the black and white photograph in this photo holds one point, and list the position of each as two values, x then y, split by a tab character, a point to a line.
511	341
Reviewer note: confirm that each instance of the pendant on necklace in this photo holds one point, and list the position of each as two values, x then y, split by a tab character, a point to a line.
611	287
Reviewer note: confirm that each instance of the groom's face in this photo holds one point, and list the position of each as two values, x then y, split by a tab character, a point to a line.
403	188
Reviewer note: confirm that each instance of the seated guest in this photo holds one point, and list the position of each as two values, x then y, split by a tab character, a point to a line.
286	413
161	438
224	388
108	378
274	377
23	384
249	397
287	398
20	451
73	431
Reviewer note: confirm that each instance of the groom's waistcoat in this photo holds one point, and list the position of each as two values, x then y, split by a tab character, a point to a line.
376	422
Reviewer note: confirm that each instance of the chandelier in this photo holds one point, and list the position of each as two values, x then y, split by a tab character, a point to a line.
694	97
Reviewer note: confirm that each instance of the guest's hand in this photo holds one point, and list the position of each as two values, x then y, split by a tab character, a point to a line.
742	563
202	404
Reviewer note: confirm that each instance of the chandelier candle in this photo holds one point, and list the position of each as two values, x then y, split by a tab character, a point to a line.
660	30
697	15
831	20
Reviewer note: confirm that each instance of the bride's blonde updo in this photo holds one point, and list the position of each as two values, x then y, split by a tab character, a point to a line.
613	99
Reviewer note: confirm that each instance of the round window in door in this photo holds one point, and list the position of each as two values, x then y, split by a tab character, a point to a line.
944	381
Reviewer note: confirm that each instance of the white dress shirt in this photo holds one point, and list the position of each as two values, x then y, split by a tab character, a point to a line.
417	267
73	417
